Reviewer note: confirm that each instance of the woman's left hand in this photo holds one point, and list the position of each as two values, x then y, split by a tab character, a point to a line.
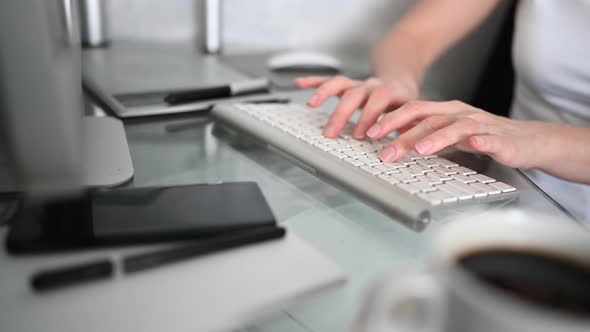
437	125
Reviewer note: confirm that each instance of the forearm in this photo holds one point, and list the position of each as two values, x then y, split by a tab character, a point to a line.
426	32
564	151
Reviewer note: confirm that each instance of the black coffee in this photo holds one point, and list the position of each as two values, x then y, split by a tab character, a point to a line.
538	278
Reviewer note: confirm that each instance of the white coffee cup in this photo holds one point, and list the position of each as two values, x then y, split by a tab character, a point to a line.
446	298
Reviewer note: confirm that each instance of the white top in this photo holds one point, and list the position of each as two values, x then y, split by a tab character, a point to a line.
551	55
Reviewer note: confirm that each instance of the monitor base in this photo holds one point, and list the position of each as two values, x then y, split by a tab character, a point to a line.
108	161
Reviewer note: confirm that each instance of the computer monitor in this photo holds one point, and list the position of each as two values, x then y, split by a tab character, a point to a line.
47	147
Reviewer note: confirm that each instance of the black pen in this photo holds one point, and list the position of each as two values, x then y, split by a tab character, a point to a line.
144	261
268	101
72	275
52	279
233	89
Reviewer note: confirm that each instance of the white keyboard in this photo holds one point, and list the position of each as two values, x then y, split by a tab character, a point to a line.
409	187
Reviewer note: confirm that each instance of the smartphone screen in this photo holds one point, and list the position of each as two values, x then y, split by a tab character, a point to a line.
143	215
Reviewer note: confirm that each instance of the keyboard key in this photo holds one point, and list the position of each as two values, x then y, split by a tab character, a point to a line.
438	197
353	142
353	153
407	187
412	155
502	186
407	161
370	161
396	164
338	154
428	162
455	191
440	176
477	192
411	172
430	179
386	168
415	170
322	146
445	162
341	147
482	178
370	169
294	132
389	179
373	155
403	177
463	178
416	156
423	168
463	170
465	187
368	148
484	187
444	170
353	162
326	141
423	186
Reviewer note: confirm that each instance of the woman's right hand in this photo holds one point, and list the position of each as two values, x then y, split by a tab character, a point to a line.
373	96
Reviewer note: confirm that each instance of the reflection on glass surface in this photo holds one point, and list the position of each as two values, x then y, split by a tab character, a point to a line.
361	239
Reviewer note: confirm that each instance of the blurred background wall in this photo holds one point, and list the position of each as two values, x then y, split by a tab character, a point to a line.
351	26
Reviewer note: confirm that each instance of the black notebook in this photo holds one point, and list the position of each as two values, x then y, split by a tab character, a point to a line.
140	215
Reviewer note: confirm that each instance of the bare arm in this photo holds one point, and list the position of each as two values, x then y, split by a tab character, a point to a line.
425	33
399	62
565	151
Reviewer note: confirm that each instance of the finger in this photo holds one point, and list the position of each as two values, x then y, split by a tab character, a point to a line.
414	111
457	131
406	128
465	146
379	100
406	141
330	88
350	101
311	81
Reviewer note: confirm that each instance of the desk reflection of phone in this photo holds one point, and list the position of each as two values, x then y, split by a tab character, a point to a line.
140	215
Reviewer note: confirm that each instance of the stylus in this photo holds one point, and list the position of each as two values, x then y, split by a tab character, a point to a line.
71	275
104	269
140	262
222	91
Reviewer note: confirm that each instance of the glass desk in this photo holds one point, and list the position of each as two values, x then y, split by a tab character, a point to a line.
192	148
363	241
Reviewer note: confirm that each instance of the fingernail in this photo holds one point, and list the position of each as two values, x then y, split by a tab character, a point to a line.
330	130
388	153
424	146
374	131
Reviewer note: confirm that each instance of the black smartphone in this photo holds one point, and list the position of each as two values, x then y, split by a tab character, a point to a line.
140	215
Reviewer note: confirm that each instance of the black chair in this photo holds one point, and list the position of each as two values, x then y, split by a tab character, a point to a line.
495	87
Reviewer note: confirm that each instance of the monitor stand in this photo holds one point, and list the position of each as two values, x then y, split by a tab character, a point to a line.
108	161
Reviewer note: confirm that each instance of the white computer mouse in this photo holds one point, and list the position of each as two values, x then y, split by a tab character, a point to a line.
303	60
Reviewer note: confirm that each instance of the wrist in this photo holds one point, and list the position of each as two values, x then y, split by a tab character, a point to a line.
547	145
